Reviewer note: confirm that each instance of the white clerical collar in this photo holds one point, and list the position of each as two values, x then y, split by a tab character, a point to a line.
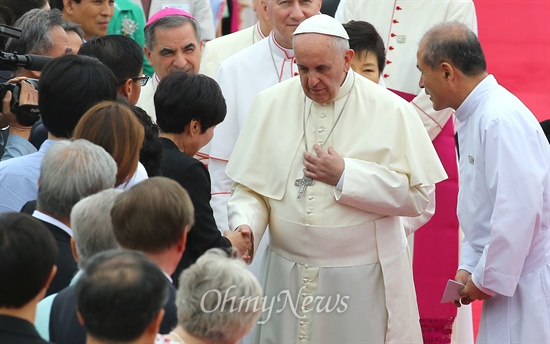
346	85
155	80
47	218
258	34
278	50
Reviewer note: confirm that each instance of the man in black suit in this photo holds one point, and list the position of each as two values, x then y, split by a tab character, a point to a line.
70	171
120	298
92	228
154	217
27	266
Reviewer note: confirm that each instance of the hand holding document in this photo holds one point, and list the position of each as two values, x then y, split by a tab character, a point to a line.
451	291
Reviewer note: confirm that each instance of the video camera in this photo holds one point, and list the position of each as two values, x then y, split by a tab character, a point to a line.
27	114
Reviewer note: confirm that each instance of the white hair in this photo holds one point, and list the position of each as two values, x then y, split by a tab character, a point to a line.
204	298
91	225
70	171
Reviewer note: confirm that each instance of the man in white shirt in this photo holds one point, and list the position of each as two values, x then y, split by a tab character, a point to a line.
225	46
505	256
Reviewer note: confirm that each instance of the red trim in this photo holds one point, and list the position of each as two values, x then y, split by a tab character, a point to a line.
427	115
221	193
218	159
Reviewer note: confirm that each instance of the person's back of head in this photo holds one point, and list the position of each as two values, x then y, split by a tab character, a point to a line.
365	40
42	33
92	226
120	296
69	86
204	298
20	7
454	43
182	97
152	216
150	154
27	260
70	171
121	54
114	127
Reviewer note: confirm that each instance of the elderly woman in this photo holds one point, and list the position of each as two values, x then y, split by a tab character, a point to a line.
218	301
188	107
114	127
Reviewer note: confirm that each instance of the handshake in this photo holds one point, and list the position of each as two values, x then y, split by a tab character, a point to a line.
242	239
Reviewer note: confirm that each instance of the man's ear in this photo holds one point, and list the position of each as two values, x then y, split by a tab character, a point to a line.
448	71
263	9
73	249
49	280
183	241
68	7
348	57
80	318
126	88
154	326
147	54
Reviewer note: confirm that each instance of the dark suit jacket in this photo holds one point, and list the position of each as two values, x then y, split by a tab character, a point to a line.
66	329
66	265
18	331
194	177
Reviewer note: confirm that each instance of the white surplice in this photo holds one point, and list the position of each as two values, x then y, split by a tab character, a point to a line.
241	77
504	210
341	254
219	49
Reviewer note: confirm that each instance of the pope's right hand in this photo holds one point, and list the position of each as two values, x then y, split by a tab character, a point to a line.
242	239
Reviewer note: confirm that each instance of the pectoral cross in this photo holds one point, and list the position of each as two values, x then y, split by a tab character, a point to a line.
302	184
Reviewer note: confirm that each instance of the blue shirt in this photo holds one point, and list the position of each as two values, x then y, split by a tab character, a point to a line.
19	179
17	146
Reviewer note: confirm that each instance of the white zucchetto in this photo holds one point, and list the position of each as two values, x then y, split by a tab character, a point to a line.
323	24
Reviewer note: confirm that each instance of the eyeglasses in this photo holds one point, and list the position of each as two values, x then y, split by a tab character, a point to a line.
142	79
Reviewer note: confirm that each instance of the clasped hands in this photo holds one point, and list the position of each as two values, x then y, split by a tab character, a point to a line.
325	166
242	240
470	292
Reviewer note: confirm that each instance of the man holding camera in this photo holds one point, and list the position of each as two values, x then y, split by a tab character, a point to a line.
42	33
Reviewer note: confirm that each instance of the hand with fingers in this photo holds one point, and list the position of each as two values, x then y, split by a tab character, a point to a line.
324	166
470	292
242	239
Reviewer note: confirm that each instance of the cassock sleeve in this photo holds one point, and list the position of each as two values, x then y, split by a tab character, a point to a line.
511	156
247	207
375	188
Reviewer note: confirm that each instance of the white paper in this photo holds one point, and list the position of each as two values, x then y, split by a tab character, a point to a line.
451	291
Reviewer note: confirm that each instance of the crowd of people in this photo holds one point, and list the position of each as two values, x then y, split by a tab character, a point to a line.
296	181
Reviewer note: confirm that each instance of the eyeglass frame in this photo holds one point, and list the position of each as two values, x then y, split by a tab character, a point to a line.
143	79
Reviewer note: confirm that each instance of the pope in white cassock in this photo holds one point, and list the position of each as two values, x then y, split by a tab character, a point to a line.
330	161
242	76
